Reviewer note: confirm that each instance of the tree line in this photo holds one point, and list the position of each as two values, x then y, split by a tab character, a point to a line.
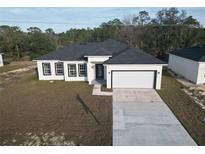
169	30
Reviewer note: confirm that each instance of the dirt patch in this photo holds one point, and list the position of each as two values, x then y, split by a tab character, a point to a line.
196	92
15	71
105	89
16	65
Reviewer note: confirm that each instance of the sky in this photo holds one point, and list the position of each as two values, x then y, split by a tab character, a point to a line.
62	19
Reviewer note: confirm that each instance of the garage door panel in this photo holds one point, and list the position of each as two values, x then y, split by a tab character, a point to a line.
133	79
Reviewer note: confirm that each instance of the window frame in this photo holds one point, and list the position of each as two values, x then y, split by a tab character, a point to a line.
69	70
56	68
43	64
79	73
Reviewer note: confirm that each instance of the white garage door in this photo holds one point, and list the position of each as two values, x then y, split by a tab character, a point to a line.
133	79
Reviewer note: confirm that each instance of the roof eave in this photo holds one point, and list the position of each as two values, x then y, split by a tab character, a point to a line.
163	64
98	56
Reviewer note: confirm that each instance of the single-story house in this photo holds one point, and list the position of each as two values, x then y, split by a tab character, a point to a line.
189	63
113	61
1	60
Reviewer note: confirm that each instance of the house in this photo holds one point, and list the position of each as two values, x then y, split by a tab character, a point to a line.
113	61
1	60
189	63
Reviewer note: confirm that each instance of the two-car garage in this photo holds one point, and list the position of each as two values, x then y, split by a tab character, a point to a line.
134	69
134	76
133	79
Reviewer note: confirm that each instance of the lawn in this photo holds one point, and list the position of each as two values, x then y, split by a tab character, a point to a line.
29	106
187	111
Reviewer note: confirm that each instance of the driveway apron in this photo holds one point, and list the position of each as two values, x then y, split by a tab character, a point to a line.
141	118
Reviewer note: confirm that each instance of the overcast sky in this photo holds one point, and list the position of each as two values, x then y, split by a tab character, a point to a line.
62	19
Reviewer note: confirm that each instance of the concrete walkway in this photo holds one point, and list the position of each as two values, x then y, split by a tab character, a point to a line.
97	90
141	118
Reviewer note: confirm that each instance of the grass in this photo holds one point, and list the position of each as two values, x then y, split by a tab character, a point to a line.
32	106
104	88
184	108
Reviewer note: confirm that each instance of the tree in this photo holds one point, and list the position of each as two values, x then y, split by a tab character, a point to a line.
34	30
109	29
142	19
11	40
40	43
182	16
49	31
169	30
191	22
168	16
115	22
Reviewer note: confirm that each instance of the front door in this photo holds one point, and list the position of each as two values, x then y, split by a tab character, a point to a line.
99	71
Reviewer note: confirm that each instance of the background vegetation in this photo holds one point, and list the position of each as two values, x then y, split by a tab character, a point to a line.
169	30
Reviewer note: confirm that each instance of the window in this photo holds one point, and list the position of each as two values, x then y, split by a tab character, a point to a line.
46	69
59	68
82	69
72	70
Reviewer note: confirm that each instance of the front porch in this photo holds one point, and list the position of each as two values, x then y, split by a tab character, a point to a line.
97	88
95	68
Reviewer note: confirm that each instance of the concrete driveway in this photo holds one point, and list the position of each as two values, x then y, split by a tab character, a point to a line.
140	117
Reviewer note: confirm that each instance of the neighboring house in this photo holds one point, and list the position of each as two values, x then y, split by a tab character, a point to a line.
1	60
189	63
110	60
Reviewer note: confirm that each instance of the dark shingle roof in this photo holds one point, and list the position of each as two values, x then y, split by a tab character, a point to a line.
79	50
114	46
134	56
196	53
120	52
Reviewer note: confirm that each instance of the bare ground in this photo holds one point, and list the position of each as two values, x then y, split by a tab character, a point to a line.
40	108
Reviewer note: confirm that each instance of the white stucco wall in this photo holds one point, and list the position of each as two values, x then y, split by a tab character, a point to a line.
53	76
154	67
185	67
91	76
1	60
201	73
77	78
92	60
